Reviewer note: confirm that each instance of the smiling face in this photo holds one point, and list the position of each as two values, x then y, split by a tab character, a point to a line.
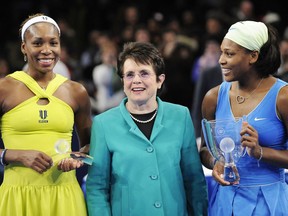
140	83
235	60
42	47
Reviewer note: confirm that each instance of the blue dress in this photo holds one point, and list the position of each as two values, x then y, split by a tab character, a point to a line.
262	189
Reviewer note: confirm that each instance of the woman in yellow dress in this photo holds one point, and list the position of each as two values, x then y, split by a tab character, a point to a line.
39	107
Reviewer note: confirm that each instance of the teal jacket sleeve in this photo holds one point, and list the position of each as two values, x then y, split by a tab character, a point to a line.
193	175
98	179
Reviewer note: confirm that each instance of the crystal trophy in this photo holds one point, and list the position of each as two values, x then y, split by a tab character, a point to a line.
62	147
222	138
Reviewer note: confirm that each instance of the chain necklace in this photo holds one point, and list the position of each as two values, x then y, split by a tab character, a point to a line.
146	121
241	99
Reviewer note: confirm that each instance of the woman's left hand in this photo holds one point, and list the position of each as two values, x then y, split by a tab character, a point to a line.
249	139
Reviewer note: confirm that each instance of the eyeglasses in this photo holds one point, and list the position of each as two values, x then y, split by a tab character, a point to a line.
143	75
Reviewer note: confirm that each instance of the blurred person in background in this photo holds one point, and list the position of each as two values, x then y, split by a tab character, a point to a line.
4	67
179	57
142	34
208	59
282	72
90	56
109	92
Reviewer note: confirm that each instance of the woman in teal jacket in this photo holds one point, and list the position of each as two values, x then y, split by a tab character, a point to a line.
146	161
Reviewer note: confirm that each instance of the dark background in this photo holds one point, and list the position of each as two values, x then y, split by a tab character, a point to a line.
84	15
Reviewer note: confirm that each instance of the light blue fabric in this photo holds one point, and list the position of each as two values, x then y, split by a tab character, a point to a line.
132	175
262	190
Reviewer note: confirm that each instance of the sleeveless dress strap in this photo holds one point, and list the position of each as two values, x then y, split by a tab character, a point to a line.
33	85
55	83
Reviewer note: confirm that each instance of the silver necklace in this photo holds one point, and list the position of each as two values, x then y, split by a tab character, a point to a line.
146	121
241	99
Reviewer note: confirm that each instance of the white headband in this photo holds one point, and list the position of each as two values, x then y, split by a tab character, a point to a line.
249	34
36	20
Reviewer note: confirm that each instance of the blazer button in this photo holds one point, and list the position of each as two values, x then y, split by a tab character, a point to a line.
154	177
149	149
157	204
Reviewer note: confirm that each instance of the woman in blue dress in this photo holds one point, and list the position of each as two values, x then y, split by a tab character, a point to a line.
250	56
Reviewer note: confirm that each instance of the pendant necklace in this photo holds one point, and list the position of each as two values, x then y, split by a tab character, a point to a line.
241	99
146	121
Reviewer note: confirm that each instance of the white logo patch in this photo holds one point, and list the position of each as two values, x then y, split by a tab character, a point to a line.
259	119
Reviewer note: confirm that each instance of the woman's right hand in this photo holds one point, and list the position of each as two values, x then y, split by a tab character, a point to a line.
36	160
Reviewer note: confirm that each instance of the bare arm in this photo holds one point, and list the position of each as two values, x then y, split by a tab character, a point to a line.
83	120
208	112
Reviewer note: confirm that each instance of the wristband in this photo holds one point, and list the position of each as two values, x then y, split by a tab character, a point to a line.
2	160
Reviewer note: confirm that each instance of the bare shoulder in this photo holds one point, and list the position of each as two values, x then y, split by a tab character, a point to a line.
210	102
282	104
6	81
212	95
12	92
9	85
74	87
73	93
283	91
282	99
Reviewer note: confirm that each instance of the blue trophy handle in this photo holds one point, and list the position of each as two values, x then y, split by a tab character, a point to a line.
209	139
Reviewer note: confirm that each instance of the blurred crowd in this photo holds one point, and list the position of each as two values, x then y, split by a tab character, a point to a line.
188	34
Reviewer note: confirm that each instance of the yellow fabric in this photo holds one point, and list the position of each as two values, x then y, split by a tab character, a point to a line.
24	192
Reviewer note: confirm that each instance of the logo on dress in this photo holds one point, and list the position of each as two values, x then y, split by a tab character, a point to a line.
43	115
259	119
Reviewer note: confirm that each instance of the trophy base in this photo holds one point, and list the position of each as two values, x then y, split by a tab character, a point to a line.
230	174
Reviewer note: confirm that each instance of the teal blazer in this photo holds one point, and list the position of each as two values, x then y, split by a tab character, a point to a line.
134	176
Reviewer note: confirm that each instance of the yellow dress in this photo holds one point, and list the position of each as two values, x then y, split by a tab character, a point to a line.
24	192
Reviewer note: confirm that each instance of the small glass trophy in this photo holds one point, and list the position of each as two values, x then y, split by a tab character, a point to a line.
62	148
222	138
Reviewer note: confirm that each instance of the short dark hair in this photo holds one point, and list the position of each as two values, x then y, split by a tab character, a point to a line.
141	52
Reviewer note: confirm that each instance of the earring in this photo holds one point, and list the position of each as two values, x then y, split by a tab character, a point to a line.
25	58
